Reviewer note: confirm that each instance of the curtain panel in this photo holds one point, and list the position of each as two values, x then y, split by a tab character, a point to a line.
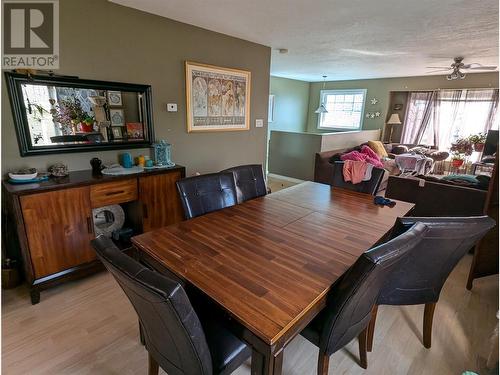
439	118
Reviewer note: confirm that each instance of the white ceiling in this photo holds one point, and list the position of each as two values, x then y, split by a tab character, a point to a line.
348	39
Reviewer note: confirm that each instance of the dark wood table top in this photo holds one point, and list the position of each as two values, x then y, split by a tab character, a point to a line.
270	260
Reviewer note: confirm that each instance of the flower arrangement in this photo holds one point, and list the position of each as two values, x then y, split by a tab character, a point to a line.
462	146
69	113
478	141
477	138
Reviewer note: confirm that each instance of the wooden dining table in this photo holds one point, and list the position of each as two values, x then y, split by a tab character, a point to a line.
270	262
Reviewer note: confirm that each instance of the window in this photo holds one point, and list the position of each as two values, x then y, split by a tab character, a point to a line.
441	117
345	109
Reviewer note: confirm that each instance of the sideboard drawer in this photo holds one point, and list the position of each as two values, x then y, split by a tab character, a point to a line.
113	192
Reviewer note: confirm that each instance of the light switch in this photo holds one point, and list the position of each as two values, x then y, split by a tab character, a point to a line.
172	107
259	123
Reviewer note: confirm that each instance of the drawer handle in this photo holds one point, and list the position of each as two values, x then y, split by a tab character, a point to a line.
89	225
145	211
114	192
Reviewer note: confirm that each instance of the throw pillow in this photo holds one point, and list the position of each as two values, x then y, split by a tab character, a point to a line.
378	148
439	155
399	149
420	150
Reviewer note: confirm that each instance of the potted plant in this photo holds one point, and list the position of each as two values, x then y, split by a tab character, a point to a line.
70	114
87	124
462	146
457	160
478	141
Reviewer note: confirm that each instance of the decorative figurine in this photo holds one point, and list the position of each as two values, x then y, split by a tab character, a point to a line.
58	170
96	164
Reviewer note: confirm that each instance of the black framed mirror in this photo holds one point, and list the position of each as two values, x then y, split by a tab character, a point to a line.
54	114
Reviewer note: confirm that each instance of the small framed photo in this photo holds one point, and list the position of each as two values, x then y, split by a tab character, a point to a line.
117	132
135	130
114	98
116	117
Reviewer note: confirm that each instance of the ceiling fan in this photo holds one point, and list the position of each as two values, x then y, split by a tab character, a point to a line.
457	68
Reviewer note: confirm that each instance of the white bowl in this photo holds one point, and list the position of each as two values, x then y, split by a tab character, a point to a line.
23	177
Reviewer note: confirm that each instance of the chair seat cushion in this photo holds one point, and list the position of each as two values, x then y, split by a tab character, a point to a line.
228	352
313	330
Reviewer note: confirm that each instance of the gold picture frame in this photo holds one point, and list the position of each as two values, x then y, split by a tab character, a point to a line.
217	98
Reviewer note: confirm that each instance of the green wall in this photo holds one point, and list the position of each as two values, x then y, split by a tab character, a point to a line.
381	88
105	41
291	103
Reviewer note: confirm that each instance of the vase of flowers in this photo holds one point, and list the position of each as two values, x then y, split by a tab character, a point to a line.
461	149
457	160
478	141
71	116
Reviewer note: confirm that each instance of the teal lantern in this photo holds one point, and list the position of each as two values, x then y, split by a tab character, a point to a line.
162	152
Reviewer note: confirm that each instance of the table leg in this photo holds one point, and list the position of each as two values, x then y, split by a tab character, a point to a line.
266	364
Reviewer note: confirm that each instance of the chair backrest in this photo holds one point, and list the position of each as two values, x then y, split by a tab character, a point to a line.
420	278
172	331
351	300
206	193
367	187
249	180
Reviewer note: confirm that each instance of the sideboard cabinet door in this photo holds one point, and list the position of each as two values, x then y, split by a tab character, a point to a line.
59	228
160	200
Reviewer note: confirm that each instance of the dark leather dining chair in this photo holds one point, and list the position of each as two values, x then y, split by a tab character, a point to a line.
249	180
368	187
350	302
177	338
206	193
420	278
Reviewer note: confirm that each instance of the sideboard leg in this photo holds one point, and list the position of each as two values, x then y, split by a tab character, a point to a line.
35	296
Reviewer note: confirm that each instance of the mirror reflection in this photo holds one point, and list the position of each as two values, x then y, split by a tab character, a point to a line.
56	114
79	115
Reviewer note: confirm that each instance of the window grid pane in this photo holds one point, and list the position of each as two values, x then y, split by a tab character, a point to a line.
344	109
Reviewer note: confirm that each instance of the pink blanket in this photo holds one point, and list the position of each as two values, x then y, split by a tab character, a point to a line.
366	154
354	171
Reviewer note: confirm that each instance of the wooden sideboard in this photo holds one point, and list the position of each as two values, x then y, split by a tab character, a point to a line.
50	224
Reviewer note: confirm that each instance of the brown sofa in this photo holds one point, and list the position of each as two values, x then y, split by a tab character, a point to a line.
436	198
323	169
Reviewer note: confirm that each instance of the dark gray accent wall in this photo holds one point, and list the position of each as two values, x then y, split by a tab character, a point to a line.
104	41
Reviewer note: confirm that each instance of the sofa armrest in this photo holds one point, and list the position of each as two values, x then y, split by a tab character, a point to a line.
323	169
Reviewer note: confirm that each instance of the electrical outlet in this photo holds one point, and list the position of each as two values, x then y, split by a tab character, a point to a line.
172	107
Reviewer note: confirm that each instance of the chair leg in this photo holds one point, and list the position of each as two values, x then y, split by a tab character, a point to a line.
371	329
141	334
323	362
363	360
153	367
428	315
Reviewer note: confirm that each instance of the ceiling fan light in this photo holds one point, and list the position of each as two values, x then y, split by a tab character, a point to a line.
462	75
454	75
448	77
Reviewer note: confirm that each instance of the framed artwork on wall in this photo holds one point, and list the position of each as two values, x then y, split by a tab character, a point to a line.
217	99
116	117
114	98
270	113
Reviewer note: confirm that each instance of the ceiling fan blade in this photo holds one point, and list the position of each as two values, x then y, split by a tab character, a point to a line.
481	67
437	71
438	67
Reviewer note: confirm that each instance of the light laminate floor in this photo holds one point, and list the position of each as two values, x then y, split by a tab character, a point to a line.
89	327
